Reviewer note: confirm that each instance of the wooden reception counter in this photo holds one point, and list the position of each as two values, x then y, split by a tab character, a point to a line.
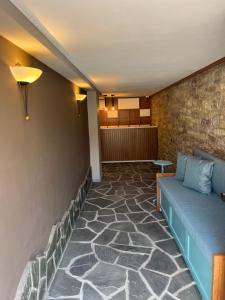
124	143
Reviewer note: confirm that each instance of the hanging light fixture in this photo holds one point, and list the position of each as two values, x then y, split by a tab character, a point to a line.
113	102
24	76
105	103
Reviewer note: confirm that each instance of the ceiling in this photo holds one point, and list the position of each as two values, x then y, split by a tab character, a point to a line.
132	47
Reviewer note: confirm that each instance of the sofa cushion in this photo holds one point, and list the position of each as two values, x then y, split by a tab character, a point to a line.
202	215
181	165
218	176
198	175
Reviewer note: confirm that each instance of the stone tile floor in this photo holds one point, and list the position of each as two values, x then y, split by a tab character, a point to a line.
121	248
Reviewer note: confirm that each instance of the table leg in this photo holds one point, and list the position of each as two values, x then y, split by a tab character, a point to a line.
162	169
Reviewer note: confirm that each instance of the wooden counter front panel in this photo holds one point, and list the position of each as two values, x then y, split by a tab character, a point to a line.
129	144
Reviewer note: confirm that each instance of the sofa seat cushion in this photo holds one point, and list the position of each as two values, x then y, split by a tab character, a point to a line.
202	215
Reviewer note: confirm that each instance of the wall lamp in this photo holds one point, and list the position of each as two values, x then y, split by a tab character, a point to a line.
24	76
79	98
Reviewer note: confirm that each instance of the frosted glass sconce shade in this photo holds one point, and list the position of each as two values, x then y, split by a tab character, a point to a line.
25	75
81	97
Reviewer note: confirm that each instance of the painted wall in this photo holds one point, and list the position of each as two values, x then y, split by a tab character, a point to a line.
93	121
191	114
42	162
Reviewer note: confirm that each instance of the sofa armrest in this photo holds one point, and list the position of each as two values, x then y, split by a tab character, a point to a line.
158	175
218	277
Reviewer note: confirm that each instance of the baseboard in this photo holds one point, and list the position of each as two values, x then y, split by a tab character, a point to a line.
39	272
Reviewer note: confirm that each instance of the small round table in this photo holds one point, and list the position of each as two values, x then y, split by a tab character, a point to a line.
162	163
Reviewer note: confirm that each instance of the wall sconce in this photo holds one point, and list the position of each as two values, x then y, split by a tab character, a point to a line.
25	76
79	98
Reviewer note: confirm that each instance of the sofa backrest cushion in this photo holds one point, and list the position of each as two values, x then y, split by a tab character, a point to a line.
218	176
181	165
198	175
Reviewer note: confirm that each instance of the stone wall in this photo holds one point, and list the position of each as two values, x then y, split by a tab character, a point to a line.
192	114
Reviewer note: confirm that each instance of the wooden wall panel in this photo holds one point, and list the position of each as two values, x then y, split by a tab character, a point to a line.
126	116
145	102
111	121
145	120
103	120
123	116
129	144
134	118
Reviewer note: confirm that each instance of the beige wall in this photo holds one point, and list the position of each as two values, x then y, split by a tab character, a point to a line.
192	114
42	162
94	136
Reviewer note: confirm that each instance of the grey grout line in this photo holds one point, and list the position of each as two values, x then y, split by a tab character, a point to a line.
184	288
127	286
147	285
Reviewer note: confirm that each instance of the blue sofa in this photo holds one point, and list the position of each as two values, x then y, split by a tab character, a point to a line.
197	222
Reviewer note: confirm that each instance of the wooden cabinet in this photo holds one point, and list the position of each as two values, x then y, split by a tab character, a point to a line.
127	144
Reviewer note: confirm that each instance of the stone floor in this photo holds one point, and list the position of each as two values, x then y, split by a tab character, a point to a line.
121	248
